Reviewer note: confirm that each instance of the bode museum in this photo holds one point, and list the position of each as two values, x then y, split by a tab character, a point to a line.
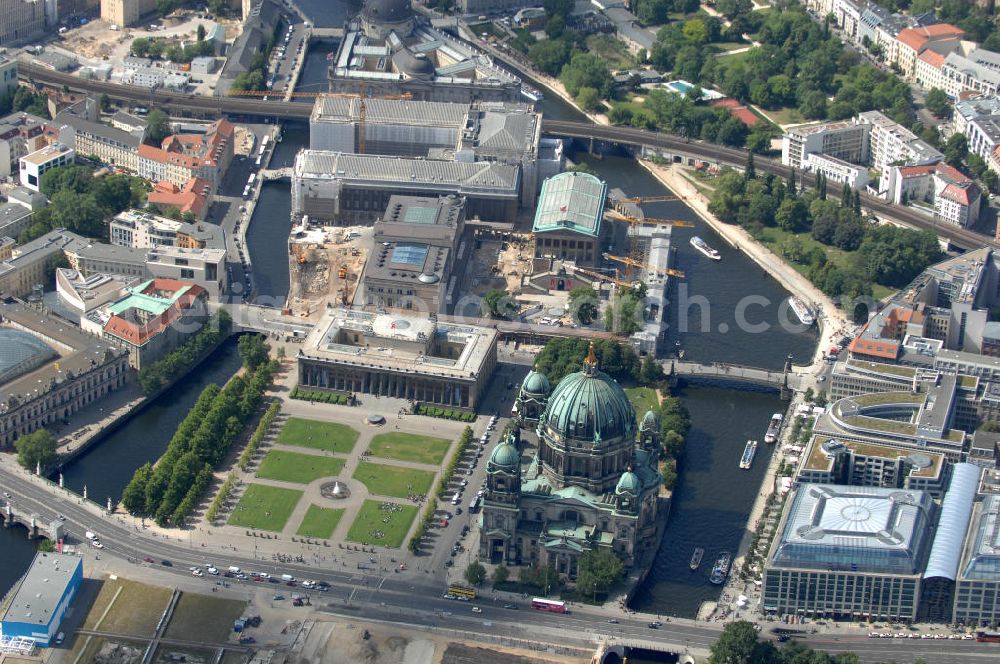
589	481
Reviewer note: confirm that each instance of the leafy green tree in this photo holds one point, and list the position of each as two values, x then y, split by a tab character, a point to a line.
46	546
651	371
549	55
498	304
475	573
36	448
200	32
583	305
737	644
253	350
597	571
501	574
956	149
792	215
937	102
157	126
586	70
134	495
589	99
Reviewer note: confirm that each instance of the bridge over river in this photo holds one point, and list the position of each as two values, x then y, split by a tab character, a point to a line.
785	380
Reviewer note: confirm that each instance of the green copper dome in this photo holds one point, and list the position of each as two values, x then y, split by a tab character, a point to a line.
649	422
629	483
590	405
505	455
536	384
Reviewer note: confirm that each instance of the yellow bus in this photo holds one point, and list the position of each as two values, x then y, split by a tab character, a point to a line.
463	593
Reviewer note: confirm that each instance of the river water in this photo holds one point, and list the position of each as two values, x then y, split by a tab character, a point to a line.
703	514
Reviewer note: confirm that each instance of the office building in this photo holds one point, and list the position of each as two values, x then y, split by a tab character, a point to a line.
942	38
432	362
592	485
854	463
849	552
152	319
80	294
79	127
14	218
30	263
844	139
182	157
968	73
203	267
42	597
977	582
20	134
568	218
350	188
938	596
126	13
50	370
387	50
955	198
21	21
141	230
414	252
8	76
33	166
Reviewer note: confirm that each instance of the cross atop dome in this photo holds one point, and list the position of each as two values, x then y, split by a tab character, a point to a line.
590	364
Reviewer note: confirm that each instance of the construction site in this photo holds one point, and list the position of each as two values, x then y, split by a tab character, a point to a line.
325	265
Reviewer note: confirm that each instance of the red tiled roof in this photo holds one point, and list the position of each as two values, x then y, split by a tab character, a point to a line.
916	171
879	348
932	57
956	194
917	38
189	198
950	172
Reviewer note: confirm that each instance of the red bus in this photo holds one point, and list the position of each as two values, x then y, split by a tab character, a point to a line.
551	605
988	637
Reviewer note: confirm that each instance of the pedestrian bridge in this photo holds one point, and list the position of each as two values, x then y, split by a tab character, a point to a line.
275	173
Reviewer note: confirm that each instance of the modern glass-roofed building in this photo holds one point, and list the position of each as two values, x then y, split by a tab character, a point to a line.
977	592
850	552
568	218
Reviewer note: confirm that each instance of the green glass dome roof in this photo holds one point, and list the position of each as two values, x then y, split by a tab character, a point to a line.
505	455
590	405
629	483
21	352
536	384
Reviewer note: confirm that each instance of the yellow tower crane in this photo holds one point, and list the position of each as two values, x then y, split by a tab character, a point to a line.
635	251
670	272
604	277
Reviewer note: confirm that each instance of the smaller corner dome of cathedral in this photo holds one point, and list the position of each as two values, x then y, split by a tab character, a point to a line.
537	384
649	421
387	11
505	455
628	483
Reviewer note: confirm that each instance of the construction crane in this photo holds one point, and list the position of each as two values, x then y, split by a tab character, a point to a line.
615	215
635	250
639	200
361	96
604	277
670	272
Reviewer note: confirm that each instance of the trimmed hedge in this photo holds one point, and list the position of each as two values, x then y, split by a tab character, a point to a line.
446	413
322	397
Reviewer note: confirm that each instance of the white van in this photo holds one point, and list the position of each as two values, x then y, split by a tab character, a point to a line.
91	535
234	569
457	499
287	577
